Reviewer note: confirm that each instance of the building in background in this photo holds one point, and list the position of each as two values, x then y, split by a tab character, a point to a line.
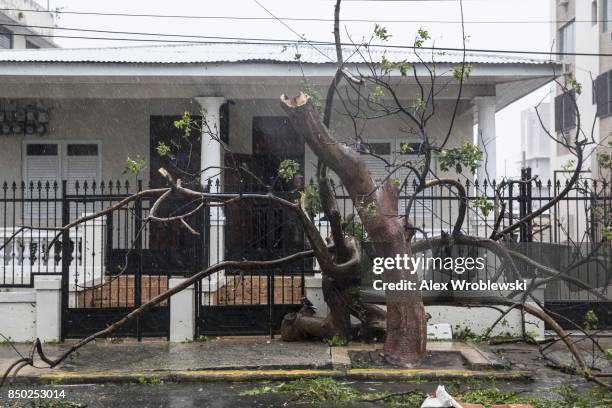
584	26
21	28
536	145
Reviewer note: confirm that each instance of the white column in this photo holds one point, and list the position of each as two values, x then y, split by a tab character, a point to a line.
182	313
48	307
210	162
486	135
211	159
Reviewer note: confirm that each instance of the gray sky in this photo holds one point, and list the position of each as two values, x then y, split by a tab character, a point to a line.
494	35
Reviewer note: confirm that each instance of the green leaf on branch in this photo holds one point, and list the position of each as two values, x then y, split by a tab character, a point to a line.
378	94
134	165
467	155
288	169
381	32
570	165
570	79
606	234
312	199
185	123
164	150
483	204
370	208
357	230
604	160
422	36
386	66
462	73
406	148
403	68
590	320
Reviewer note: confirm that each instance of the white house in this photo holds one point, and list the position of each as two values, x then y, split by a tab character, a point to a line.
77	114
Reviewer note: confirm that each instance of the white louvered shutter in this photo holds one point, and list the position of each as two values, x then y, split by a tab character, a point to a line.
42	165
81	165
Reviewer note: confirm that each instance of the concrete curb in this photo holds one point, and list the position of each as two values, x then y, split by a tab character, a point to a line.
93	377
475	358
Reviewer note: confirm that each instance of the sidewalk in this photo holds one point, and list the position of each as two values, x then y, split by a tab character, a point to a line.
235	359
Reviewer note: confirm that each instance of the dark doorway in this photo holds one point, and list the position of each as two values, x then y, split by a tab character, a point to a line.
173	248
254	302
264	230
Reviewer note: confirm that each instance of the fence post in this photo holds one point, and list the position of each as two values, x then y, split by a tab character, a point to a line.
138	258
66	258
525	204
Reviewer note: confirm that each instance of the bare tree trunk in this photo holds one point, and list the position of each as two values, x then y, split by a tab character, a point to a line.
405	342
378	209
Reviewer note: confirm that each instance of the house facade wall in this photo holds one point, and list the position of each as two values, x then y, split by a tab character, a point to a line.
121	126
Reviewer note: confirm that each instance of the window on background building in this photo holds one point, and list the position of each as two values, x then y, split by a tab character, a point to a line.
606	15
602	94
6	38
594	12
567	38
565	112
31	45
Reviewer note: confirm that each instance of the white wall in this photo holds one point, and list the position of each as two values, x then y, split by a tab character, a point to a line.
120	125
18	311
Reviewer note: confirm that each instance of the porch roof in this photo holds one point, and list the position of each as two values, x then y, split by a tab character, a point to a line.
198	53
229	68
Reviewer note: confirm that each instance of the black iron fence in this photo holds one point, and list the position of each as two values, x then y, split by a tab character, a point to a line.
116	261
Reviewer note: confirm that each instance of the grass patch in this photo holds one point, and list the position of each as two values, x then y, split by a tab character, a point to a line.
150	381
336	341
570	397
332	391
310	390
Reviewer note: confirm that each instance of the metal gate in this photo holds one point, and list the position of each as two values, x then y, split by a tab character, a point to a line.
234	302
108	266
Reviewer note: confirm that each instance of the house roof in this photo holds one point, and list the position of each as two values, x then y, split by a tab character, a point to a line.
198	53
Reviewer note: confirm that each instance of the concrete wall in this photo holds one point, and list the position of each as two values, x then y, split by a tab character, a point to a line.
32	313
18	311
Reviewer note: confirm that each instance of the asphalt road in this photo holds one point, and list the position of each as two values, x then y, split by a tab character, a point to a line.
217	394
185	395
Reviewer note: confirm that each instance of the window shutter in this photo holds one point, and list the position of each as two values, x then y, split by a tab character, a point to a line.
81	165
41	165
81	169
558	113
601	94
569	111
